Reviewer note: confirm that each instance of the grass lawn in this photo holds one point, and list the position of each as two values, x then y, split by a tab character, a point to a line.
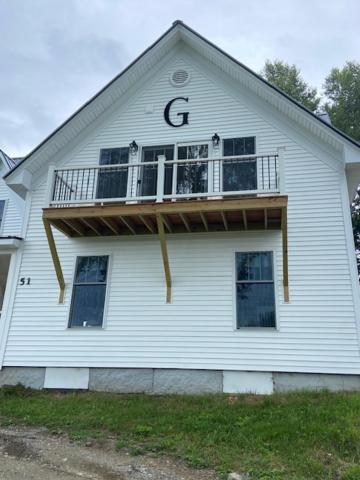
301	436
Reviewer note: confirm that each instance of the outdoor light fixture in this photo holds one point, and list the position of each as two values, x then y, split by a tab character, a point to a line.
215	140
133	147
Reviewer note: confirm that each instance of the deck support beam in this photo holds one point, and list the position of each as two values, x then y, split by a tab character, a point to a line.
285	253
55	259
165	257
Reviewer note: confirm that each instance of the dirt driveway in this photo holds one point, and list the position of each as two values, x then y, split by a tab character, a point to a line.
34	454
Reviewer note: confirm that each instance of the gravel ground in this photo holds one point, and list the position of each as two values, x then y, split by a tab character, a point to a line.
34	454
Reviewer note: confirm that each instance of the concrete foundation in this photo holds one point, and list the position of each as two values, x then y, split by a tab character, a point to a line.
288	382
187	381
161	381
121	380
32	377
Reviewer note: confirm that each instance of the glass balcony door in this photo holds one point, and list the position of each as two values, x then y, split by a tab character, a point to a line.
148	173
112	182
192	177
239	175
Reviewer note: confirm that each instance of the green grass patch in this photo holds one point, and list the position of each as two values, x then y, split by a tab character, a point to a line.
298	436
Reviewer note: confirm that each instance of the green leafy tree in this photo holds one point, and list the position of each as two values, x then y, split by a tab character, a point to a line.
288	78
342	89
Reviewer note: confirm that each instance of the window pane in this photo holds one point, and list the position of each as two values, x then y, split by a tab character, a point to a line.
91	269
254	266
266	266
192	152
197	151
182	153
249	146
191	178
228	147
239	175
111	156
255	305
87	305
239	146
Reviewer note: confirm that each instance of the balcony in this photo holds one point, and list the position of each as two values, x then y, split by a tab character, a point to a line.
167	196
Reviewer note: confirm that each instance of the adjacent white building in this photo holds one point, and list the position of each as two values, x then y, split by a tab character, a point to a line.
187	230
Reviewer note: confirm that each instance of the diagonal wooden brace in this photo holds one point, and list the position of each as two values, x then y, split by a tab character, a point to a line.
165	257
55	259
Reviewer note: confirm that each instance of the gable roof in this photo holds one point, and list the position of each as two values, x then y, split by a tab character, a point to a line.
177	31
9	161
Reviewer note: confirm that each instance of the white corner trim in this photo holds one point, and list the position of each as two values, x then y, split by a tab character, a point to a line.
350	247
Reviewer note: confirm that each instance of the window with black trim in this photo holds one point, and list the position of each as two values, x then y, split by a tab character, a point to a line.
239	174
89	290
112	183
255	291
2	210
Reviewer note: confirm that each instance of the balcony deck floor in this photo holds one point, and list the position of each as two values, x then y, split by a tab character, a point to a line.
246	213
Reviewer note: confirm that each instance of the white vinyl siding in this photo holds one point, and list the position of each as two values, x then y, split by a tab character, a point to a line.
11	223
316	330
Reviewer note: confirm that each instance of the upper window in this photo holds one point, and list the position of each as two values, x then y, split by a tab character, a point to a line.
112	182
239	146
2	209
239	174
255	294
88	297
112	156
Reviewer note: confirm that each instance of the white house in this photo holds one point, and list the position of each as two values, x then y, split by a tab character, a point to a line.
187	230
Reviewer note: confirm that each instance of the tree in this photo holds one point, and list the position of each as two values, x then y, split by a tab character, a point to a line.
342	89
288	78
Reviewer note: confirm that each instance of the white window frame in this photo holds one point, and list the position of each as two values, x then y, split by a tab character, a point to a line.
276	327
103	325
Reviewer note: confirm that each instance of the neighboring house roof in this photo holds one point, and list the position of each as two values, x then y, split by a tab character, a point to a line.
9	161
178	27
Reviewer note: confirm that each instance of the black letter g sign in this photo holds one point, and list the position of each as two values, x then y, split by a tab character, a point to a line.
185	115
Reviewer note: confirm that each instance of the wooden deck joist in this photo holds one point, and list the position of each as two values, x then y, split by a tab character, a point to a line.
191	216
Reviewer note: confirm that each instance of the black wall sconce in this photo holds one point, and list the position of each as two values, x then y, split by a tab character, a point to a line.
215	140
133	147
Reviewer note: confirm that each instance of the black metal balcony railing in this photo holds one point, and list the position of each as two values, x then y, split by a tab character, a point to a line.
165	180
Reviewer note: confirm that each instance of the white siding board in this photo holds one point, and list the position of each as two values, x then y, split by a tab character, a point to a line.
316	330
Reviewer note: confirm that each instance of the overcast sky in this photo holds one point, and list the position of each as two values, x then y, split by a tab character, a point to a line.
55	54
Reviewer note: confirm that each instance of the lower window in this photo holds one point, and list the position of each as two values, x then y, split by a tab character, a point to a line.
255	292
89	290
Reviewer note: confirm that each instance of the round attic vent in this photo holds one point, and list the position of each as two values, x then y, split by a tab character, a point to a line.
179	78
